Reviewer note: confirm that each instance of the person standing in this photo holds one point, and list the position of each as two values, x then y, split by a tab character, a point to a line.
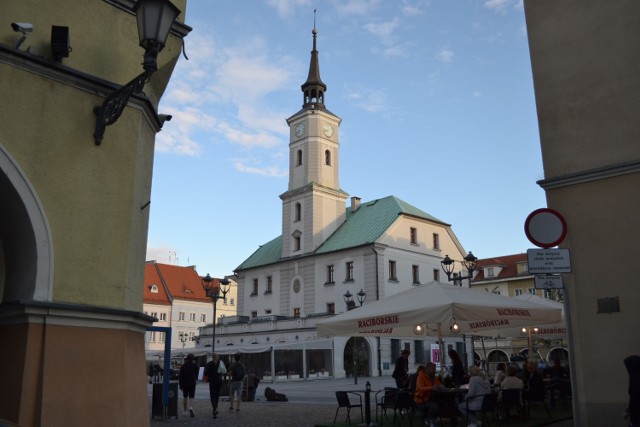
187	382
237	376
214	371
401	370
457	369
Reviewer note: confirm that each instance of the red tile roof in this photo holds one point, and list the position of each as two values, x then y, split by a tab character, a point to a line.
152	277
506	262
181	283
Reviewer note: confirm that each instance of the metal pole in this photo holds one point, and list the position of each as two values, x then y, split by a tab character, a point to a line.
213	326
355	360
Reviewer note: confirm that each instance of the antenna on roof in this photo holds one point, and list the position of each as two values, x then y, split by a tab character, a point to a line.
314	18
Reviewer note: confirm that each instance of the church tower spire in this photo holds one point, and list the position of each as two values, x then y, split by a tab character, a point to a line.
313	207
314	89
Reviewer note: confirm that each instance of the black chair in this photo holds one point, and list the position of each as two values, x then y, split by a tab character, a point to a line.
536	395
511	398
489	406
344	402
386	399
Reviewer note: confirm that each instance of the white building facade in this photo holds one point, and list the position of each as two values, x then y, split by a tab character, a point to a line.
326	249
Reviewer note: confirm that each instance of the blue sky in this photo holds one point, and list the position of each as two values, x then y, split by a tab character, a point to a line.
437	104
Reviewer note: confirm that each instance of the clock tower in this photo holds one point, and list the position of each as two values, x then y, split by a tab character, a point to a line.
313	207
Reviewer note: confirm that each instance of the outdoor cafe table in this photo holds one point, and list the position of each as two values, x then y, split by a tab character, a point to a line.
367	402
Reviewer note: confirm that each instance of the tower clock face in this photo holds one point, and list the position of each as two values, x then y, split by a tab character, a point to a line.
299	129
327	129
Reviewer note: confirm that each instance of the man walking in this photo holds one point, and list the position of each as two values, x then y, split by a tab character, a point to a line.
237	376
187	382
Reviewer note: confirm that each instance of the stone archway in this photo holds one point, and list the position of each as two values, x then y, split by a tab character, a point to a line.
26	253
357	350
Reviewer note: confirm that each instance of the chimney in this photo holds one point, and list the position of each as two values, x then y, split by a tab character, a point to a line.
355	203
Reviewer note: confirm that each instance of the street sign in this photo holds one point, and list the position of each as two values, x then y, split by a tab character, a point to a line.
545	228
548	281
548	261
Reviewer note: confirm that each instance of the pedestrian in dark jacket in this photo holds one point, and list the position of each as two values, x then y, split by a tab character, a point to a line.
214	371
401	370
187	382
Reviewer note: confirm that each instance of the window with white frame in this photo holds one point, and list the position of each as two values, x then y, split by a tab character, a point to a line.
415	274
161	336
348	271
203	317
269	285
518	292
330	274
163	317
254	290
393	274
231	301
413	235
296	312
192	317
532	291
181	316
490	272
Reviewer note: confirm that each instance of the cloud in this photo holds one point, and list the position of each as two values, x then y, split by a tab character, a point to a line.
445	55
287	8
162	253
497	5
243	165
384	30
373	101
220	94
409	9
356	7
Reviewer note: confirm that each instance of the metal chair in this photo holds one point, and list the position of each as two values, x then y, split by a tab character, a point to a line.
489	406
386	399
511	398
344	402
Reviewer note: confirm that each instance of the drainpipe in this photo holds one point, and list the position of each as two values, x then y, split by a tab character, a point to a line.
379	350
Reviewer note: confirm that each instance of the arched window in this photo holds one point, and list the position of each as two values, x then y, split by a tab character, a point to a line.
298	213
327	157
299	157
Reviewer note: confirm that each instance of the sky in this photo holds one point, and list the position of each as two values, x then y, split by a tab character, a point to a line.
437	106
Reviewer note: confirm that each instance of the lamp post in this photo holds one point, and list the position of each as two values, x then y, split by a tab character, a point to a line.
183	337
469	262
214	293
154	18
351	304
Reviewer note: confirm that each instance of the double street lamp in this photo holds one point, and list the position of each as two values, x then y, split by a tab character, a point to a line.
470	262
184	337
215	293
351	304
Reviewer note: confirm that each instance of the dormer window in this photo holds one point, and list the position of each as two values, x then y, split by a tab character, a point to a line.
153	289
490	272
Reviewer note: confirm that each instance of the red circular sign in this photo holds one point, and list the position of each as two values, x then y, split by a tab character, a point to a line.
545	228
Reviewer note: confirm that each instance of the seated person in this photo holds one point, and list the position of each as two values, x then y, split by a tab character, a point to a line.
511	382
426	383
534	388
478	387
500	374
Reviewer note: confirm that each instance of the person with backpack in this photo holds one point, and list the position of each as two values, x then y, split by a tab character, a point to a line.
236	378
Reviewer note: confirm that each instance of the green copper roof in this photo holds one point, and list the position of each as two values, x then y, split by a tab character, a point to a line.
364	226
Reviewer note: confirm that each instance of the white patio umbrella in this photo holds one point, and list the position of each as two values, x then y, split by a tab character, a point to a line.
437	307
548	331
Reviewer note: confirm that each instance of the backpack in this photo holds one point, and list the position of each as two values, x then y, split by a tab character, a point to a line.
237	372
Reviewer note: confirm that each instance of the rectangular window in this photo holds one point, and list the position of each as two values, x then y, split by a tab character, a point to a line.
203	318
255	287
181	316
395	348
269	285
532	291
331	308
296	243
231	301
192	317
154	314
436	274
330	271
419	351
349	272
254	314
436	241
267	311
413	232
392	271
152	337
415	273
296	312
163	317
161	336
490	272
518	292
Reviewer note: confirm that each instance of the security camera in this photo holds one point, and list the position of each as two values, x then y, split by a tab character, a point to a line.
22	27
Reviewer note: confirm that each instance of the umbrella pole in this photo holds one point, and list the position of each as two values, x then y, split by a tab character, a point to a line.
441	345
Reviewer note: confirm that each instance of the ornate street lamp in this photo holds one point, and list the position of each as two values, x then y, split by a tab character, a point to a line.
215	294
470	262
351	304
155	18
